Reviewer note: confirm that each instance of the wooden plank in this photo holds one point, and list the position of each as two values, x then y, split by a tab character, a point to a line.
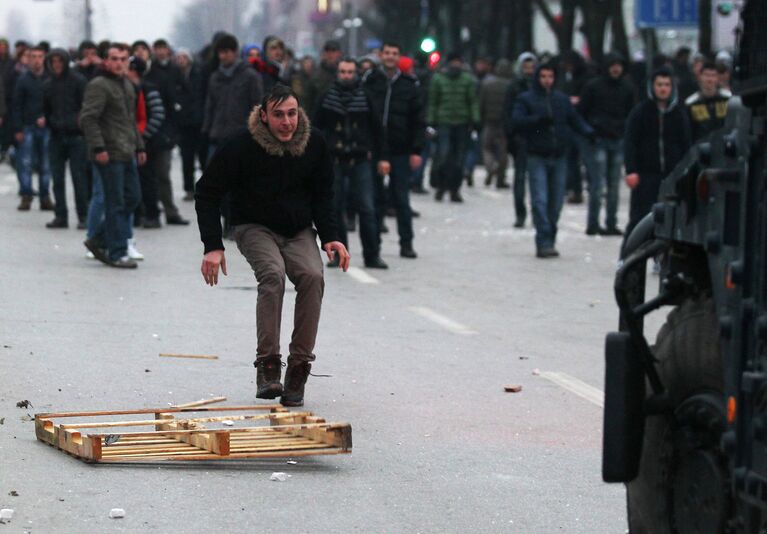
189	356
232	456
272	407
201	402
229	430
153	422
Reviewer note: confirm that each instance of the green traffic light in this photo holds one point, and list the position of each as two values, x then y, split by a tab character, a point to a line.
428	45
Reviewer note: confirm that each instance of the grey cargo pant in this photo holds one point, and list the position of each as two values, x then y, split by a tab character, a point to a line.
272	256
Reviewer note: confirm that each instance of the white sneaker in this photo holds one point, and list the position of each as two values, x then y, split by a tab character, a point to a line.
133	252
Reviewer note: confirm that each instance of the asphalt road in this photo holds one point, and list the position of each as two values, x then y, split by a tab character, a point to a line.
418	354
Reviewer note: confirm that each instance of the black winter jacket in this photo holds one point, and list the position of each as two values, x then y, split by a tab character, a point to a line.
283	186
655	141
231	97
606	103
547	120
399	103
27	100
346	118
516	88
63	98
190	98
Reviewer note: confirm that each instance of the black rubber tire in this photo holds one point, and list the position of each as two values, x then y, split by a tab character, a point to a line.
689	361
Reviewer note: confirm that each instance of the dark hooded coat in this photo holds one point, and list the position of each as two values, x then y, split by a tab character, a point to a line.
63	96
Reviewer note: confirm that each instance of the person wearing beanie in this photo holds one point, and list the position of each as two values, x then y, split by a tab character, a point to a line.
233	90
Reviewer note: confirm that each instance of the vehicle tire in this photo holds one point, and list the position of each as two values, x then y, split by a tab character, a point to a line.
688	362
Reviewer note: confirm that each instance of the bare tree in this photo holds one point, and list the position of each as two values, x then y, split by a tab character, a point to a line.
197	23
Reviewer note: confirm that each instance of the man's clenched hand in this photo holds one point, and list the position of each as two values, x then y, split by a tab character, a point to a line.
340	249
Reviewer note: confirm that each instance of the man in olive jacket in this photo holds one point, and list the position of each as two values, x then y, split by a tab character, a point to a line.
454	111
279	176
108	120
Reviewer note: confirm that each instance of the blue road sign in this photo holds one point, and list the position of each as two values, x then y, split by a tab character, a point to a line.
666	13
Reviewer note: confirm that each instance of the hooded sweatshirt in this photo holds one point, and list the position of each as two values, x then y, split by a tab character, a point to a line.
656	140
63	96
547	120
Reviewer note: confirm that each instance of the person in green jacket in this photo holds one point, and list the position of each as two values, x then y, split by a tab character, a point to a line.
454	112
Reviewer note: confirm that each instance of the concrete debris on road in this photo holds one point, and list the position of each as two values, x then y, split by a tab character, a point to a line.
512	388
227	423
116	513
24	404
278	477
536	372
6	514
13	493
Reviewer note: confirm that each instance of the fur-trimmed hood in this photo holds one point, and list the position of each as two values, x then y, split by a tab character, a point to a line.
273	146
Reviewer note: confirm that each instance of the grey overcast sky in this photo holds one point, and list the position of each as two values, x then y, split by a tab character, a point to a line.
125	20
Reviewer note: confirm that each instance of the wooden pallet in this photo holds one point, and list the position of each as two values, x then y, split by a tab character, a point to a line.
272	431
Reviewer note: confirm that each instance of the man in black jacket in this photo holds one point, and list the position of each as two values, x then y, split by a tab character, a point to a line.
280	176
397	99
62	100
352	130
526	66
190	101
657	137
605	103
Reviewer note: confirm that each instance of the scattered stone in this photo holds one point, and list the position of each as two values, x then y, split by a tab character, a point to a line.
147	371
2	420
24	404
512	388
116	513
536	372
227	423
278	477
13	493
6	514
524	357
291	462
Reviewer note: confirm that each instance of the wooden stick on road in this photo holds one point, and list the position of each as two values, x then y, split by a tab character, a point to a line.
190	356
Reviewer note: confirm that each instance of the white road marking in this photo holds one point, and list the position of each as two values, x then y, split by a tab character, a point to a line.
441	320
361	276
573	385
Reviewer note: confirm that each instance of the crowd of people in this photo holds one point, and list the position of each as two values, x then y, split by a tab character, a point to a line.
113	113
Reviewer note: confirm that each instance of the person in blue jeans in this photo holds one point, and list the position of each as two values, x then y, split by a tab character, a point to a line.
353	131
547	120
31	132
606	102
108	120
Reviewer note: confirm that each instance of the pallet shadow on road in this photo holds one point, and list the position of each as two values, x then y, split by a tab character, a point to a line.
265	466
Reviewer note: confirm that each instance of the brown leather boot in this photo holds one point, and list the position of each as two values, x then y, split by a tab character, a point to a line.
268	373
46	204
295	380
25	204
